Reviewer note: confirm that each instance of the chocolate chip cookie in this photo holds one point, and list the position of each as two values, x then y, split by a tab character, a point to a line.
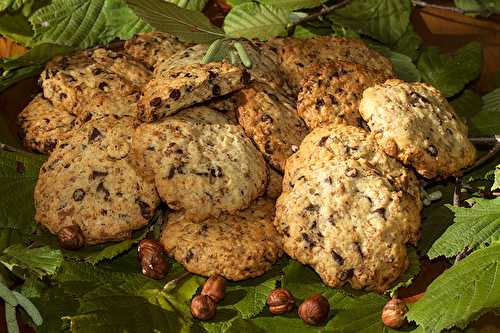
42	125
204	169
88	181
181	87
270	119
414	123
239	246
330	93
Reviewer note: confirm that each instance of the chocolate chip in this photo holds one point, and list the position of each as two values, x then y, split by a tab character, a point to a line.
286	231
155	102
267	148
145	209
101	189
79	194
380	211
96	71
216	90
312	208
97	174
62	96
322	141
308	240
245	77
175	94
337	258
432	150
94	135
346	274
171	173
49	145
189	256
266	119
319	102
20	168
103	86
216	172
351	172
212	75
357	247
330	220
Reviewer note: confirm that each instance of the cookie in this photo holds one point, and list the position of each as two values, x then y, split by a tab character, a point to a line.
189	56
201	115
204	169
226	105
42	126
349	210
274	187
271	121
99	81
414	123
151	47
297	55
238	247
88	181
330	93
185	86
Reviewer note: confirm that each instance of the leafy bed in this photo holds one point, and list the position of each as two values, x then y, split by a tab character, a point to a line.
100	289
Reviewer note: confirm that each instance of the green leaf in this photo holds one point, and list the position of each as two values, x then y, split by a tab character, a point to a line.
40	261
18	175
467	104
16	27
30	309
14	5
496	183
403	65
383	20
407	278
190	4
10	318
473	228
187	25
409	44
462	293
488	6
293	4
111	251
125	22
7	295
296	274
450	73
488	120
254	20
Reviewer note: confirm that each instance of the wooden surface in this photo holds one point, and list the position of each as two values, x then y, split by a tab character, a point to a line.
440	28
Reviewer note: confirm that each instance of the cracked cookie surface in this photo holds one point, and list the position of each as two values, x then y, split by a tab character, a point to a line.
414	123
89	181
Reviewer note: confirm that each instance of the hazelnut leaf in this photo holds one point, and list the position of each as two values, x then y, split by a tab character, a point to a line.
40	261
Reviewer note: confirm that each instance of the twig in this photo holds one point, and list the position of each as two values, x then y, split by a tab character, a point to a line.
486	140
5	147
414	298
324	11
461	255
456	191
482	12
173	283
483	159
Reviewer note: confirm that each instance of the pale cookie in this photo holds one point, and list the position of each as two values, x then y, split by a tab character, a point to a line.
205	169
185	86
238	247
42	126
151	47
88	181
414	123
274	187
271	121
99	81
348	223
330	93
297	55
189	56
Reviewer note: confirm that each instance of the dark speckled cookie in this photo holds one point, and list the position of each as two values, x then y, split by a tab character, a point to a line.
88	181
238	247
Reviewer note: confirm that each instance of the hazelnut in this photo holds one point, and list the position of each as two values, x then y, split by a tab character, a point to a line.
147	248
314	310
215	287
393	313
280	301
154	266
71	237
203	307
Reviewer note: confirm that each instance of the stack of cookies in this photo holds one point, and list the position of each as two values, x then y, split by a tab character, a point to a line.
313	150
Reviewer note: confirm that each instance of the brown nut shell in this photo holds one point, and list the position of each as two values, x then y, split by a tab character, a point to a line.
280	301
314	310
71	237
393	313
148	247
154	266
215	287
203	307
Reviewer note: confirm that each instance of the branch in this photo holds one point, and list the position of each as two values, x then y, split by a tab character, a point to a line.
484	158
324	11
482	11
485	140
5	147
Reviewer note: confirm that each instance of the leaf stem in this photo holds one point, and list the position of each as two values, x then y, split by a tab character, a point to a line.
483	159
324	11
5	147
486	140
173	283
457	191
482	12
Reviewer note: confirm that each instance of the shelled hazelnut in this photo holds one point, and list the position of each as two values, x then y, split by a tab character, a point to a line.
280	301
314	310
203	307
149	254
71	237
215	287
393	313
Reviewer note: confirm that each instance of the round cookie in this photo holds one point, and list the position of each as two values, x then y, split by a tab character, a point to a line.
271	121
88	181
349	230
274	187
151	47
42	126
238	247
205	169
414	123
296	55
330	93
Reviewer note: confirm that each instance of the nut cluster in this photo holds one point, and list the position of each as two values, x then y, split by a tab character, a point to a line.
71	237
204	306
393	313
149	254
